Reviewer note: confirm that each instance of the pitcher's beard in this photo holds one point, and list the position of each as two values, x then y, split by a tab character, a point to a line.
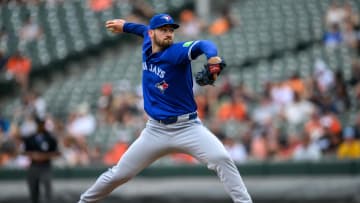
163	43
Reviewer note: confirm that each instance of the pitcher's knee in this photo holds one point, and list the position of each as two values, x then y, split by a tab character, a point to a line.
219	159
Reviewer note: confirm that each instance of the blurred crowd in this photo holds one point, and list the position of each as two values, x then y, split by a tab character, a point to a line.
297	118
17	66
342	24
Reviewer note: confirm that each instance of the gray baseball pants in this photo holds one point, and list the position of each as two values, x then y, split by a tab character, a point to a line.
157	140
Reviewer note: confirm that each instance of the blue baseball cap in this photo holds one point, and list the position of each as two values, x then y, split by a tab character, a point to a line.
162	19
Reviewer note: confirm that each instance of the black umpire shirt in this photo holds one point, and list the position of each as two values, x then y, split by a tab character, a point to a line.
41	142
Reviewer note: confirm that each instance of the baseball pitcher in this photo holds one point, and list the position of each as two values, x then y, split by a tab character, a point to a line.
173	124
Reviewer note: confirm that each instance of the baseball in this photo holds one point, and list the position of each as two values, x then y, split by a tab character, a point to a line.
111	29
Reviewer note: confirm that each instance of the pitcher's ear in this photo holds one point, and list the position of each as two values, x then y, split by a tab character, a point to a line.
151	33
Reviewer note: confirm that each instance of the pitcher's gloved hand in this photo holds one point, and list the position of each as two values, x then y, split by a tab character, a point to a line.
208	75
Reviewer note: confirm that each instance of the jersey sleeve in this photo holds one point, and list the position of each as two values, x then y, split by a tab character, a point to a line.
190	50
202	47
135	28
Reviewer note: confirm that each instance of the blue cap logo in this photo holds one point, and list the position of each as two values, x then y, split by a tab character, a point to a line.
167	18
160	20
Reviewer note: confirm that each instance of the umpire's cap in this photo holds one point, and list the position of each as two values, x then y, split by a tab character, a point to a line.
162	19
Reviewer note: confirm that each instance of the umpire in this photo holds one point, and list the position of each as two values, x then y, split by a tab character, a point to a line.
41	147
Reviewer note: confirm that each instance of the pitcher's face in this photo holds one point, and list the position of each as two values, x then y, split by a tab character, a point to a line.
163	36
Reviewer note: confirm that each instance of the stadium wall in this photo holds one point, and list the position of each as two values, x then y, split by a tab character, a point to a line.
345	167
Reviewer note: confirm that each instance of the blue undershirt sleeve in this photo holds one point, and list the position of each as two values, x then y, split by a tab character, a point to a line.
134	28
203	47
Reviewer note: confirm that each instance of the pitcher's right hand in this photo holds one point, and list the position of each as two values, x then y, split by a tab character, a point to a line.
115	25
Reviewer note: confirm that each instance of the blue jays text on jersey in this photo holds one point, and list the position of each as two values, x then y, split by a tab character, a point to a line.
156	70
167	80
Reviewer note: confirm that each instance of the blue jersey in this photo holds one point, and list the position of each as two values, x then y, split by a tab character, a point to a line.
167	80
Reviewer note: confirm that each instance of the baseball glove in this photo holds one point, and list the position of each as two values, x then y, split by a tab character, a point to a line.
208	75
